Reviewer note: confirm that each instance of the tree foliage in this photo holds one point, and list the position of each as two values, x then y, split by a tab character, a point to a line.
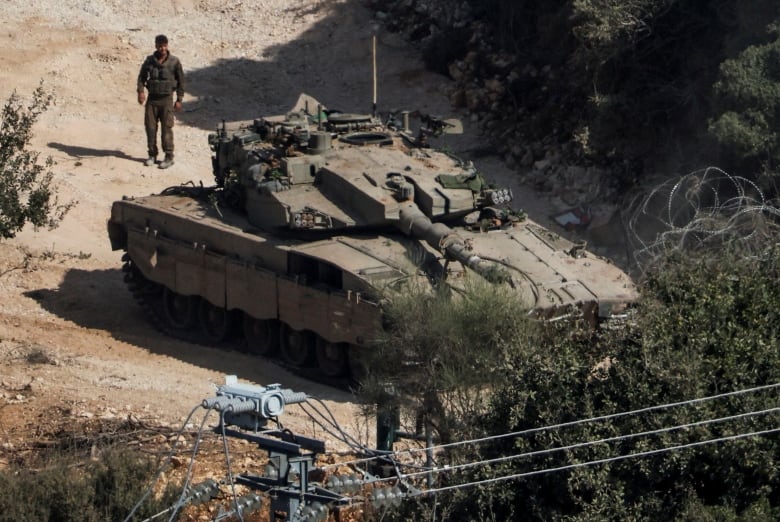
748	95
622	83
79	489
27	191
440	351
707	325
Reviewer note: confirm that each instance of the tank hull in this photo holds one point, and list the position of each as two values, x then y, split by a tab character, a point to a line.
313	223
332	287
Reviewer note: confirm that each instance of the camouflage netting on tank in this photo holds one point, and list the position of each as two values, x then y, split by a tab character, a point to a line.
473	182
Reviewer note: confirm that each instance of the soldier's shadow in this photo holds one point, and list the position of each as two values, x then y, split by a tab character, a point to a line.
79	152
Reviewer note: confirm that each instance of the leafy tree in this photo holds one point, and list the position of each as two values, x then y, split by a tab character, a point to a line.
707	324
27	193
748	94
440	349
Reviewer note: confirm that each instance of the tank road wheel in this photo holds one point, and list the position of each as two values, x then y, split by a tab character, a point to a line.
180	310
332	358
262	335
214	321
297	346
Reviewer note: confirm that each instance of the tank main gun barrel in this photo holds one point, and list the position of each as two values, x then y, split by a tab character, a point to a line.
414	223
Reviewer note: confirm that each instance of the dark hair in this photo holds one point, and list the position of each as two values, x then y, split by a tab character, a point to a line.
160	39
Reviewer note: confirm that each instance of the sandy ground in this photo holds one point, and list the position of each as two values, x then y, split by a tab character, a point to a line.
73	344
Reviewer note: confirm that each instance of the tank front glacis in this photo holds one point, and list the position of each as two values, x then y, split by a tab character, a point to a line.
316	216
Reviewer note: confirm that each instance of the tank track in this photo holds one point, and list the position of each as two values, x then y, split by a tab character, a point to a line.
151	298
149	295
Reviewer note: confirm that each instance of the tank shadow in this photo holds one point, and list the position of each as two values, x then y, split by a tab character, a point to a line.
99	300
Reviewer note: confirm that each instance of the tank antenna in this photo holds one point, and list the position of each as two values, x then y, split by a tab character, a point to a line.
373	57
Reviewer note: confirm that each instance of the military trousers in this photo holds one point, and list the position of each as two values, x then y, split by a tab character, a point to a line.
159	110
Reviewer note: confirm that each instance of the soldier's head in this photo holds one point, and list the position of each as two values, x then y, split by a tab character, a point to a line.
161	44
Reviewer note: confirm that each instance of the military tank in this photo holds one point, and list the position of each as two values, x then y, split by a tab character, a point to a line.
317	216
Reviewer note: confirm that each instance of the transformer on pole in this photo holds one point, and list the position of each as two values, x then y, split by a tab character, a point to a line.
290	457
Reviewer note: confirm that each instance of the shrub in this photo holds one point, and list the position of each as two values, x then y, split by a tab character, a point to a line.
65	489
27	192
748	95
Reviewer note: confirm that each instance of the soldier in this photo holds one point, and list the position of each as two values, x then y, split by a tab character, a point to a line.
162	75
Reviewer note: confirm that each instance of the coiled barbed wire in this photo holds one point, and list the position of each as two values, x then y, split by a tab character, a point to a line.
704	210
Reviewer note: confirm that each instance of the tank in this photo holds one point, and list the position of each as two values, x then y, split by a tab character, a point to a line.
317	216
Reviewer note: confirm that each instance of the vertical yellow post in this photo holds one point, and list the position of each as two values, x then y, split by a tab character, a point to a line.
373	58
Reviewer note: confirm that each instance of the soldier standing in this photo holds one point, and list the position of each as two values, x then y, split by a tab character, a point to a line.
162	75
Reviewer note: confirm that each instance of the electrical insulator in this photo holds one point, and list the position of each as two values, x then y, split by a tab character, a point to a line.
395	496
249	503
203	492
271	471
347	483
378	497
248	405
357	482
386	497
314	512
334	483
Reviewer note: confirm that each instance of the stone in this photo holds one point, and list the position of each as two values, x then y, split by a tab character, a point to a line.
528	158
456	70
458	98
494	85
543	164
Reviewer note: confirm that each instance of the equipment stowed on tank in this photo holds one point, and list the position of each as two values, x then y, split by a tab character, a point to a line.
316	216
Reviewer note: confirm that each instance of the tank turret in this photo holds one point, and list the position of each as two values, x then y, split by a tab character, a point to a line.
317	214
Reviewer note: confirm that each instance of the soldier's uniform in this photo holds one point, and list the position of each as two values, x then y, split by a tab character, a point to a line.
161	80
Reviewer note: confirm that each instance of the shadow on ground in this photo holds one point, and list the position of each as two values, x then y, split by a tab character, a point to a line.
99	300
332	62
79	152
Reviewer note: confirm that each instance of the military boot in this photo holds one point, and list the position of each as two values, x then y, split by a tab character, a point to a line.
151	160
167	162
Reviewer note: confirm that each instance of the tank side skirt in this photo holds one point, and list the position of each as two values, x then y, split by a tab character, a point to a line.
335	315
252	289
188	269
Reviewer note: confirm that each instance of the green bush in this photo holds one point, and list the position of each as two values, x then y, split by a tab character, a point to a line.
707	324
439	350
748	97
27	192
69	489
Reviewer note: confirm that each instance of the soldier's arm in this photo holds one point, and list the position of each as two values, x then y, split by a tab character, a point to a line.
179	74
143	75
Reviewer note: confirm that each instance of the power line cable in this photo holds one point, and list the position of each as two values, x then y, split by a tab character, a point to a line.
163	465
348	439
337	436
188	476
227	463
584	444
330	419
596	462
529	431
335	423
